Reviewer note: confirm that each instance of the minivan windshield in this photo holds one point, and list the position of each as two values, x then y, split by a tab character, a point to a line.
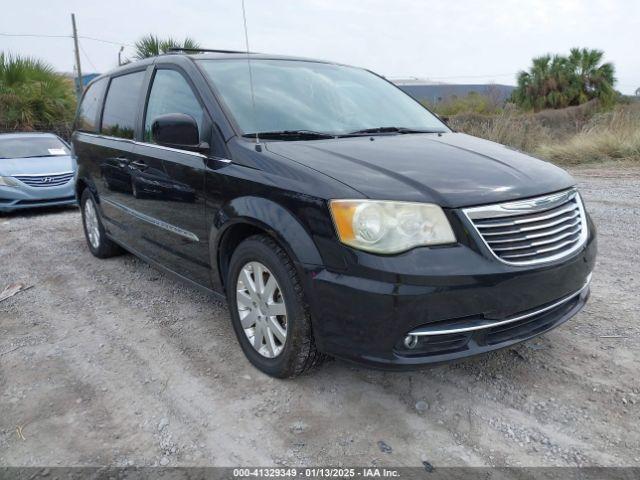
28	146
314	98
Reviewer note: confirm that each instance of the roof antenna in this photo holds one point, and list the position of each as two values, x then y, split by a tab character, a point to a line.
253	97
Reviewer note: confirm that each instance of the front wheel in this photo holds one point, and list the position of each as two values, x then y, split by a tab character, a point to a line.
268	312
99	244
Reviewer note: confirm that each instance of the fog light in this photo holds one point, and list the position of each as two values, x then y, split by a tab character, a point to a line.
410	341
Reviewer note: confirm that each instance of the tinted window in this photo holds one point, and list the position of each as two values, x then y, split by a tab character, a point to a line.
90	106
295	95
121	105
29	146
170	93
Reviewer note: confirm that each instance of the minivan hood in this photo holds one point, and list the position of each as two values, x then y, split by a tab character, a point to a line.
35	165
450	169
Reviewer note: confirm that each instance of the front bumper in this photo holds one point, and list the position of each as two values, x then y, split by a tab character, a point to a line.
25	197
366	318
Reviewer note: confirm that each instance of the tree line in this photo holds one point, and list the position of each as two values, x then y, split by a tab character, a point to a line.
560	81
34	96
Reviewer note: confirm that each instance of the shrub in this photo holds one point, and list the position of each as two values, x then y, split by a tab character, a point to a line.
510	127
573	135
472	103
32	95
612	135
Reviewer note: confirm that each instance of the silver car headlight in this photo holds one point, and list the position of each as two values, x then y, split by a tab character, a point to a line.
8	182
390	227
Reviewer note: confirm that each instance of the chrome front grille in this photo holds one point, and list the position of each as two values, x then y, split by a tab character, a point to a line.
536	230
46	180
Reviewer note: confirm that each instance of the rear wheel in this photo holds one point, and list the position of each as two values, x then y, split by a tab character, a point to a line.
268	312
99	245
134	190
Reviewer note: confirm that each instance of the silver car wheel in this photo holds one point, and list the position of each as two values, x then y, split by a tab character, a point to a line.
262	310
91	224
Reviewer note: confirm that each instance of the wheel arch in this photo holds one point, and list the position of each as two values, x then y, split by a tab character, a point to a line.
247	216
82	183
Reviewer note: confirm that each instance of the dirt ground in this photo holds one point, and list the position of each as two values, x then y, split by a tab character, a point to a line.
112	363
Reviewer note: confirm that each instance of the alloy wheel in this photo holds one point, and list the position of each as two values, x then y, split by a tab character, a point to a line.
91	224
262	310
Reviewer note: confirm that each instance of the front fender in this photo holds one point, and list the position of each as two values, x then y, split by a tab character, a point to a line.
270	217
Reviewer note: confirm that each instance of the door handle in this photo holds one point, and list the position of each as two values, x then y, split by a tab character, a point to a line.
138	164
120	161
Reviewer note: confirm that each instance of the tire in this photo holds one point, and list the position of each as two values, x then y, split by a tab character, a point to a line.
298	353
134	190
97	241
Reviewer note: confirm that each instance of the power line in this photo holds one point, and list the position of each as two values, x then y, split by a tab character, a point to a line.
37	35
476	76
105	41
33	35
87	57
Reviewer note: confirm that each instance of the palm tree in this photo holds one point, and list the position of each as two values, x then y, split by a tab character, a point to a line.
151	45
545	85
559	81
32	94
596	78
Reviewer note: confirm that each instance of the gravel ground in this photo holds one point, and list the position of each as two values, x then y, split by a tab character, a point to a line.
112	363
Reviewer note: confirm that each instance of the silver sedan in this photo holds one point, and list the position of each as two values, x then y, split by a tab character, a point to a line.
36	170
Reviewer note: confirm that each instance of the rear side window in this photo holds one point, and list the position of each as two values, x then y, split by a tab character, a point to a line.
171	93
121	105
90	106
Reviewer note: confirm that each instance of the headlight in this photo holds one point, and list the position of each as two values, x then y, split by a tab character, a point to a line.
8	182
389	227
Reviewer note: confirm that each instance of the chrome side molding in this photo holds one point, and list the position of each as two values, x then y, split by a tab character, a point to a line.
153	221
153	145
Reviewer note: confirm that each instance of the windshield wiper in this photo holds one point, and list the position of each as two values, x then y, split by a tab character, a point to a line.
291	134
368	131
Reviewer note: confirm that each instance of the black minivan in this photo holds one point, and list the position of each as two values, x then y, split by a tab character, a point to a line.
335	213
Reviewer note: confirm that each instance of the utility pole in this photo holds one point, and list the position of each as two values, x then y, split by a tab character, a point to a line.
78	69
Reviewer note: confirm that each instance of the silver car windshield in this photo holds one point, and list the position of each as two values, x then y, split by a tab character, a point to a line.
309	96
31	147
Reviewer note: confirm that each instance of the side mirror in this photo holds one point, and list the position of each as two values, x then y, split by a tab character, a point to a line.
177	130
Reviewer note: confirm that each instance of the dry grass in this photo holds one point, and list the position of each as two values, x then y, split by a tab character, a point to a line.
611	136
523	132
571	136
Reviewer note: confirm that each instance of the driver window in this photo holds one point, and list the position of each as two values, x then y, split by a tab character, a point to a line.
170	93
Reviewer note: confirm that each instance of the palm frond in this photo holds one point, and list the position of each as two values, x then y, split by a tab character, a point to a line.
558	81
33	94
151	45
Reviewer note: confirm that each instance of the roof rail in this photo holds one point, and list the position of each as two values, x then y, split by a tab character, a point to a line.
199	50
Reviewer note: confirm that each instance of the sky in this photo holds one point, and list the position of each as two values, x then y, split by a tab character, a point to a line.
461	41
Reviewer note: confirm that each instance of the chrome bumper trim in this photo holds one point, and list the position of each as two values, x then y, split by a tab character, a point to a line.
428	331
